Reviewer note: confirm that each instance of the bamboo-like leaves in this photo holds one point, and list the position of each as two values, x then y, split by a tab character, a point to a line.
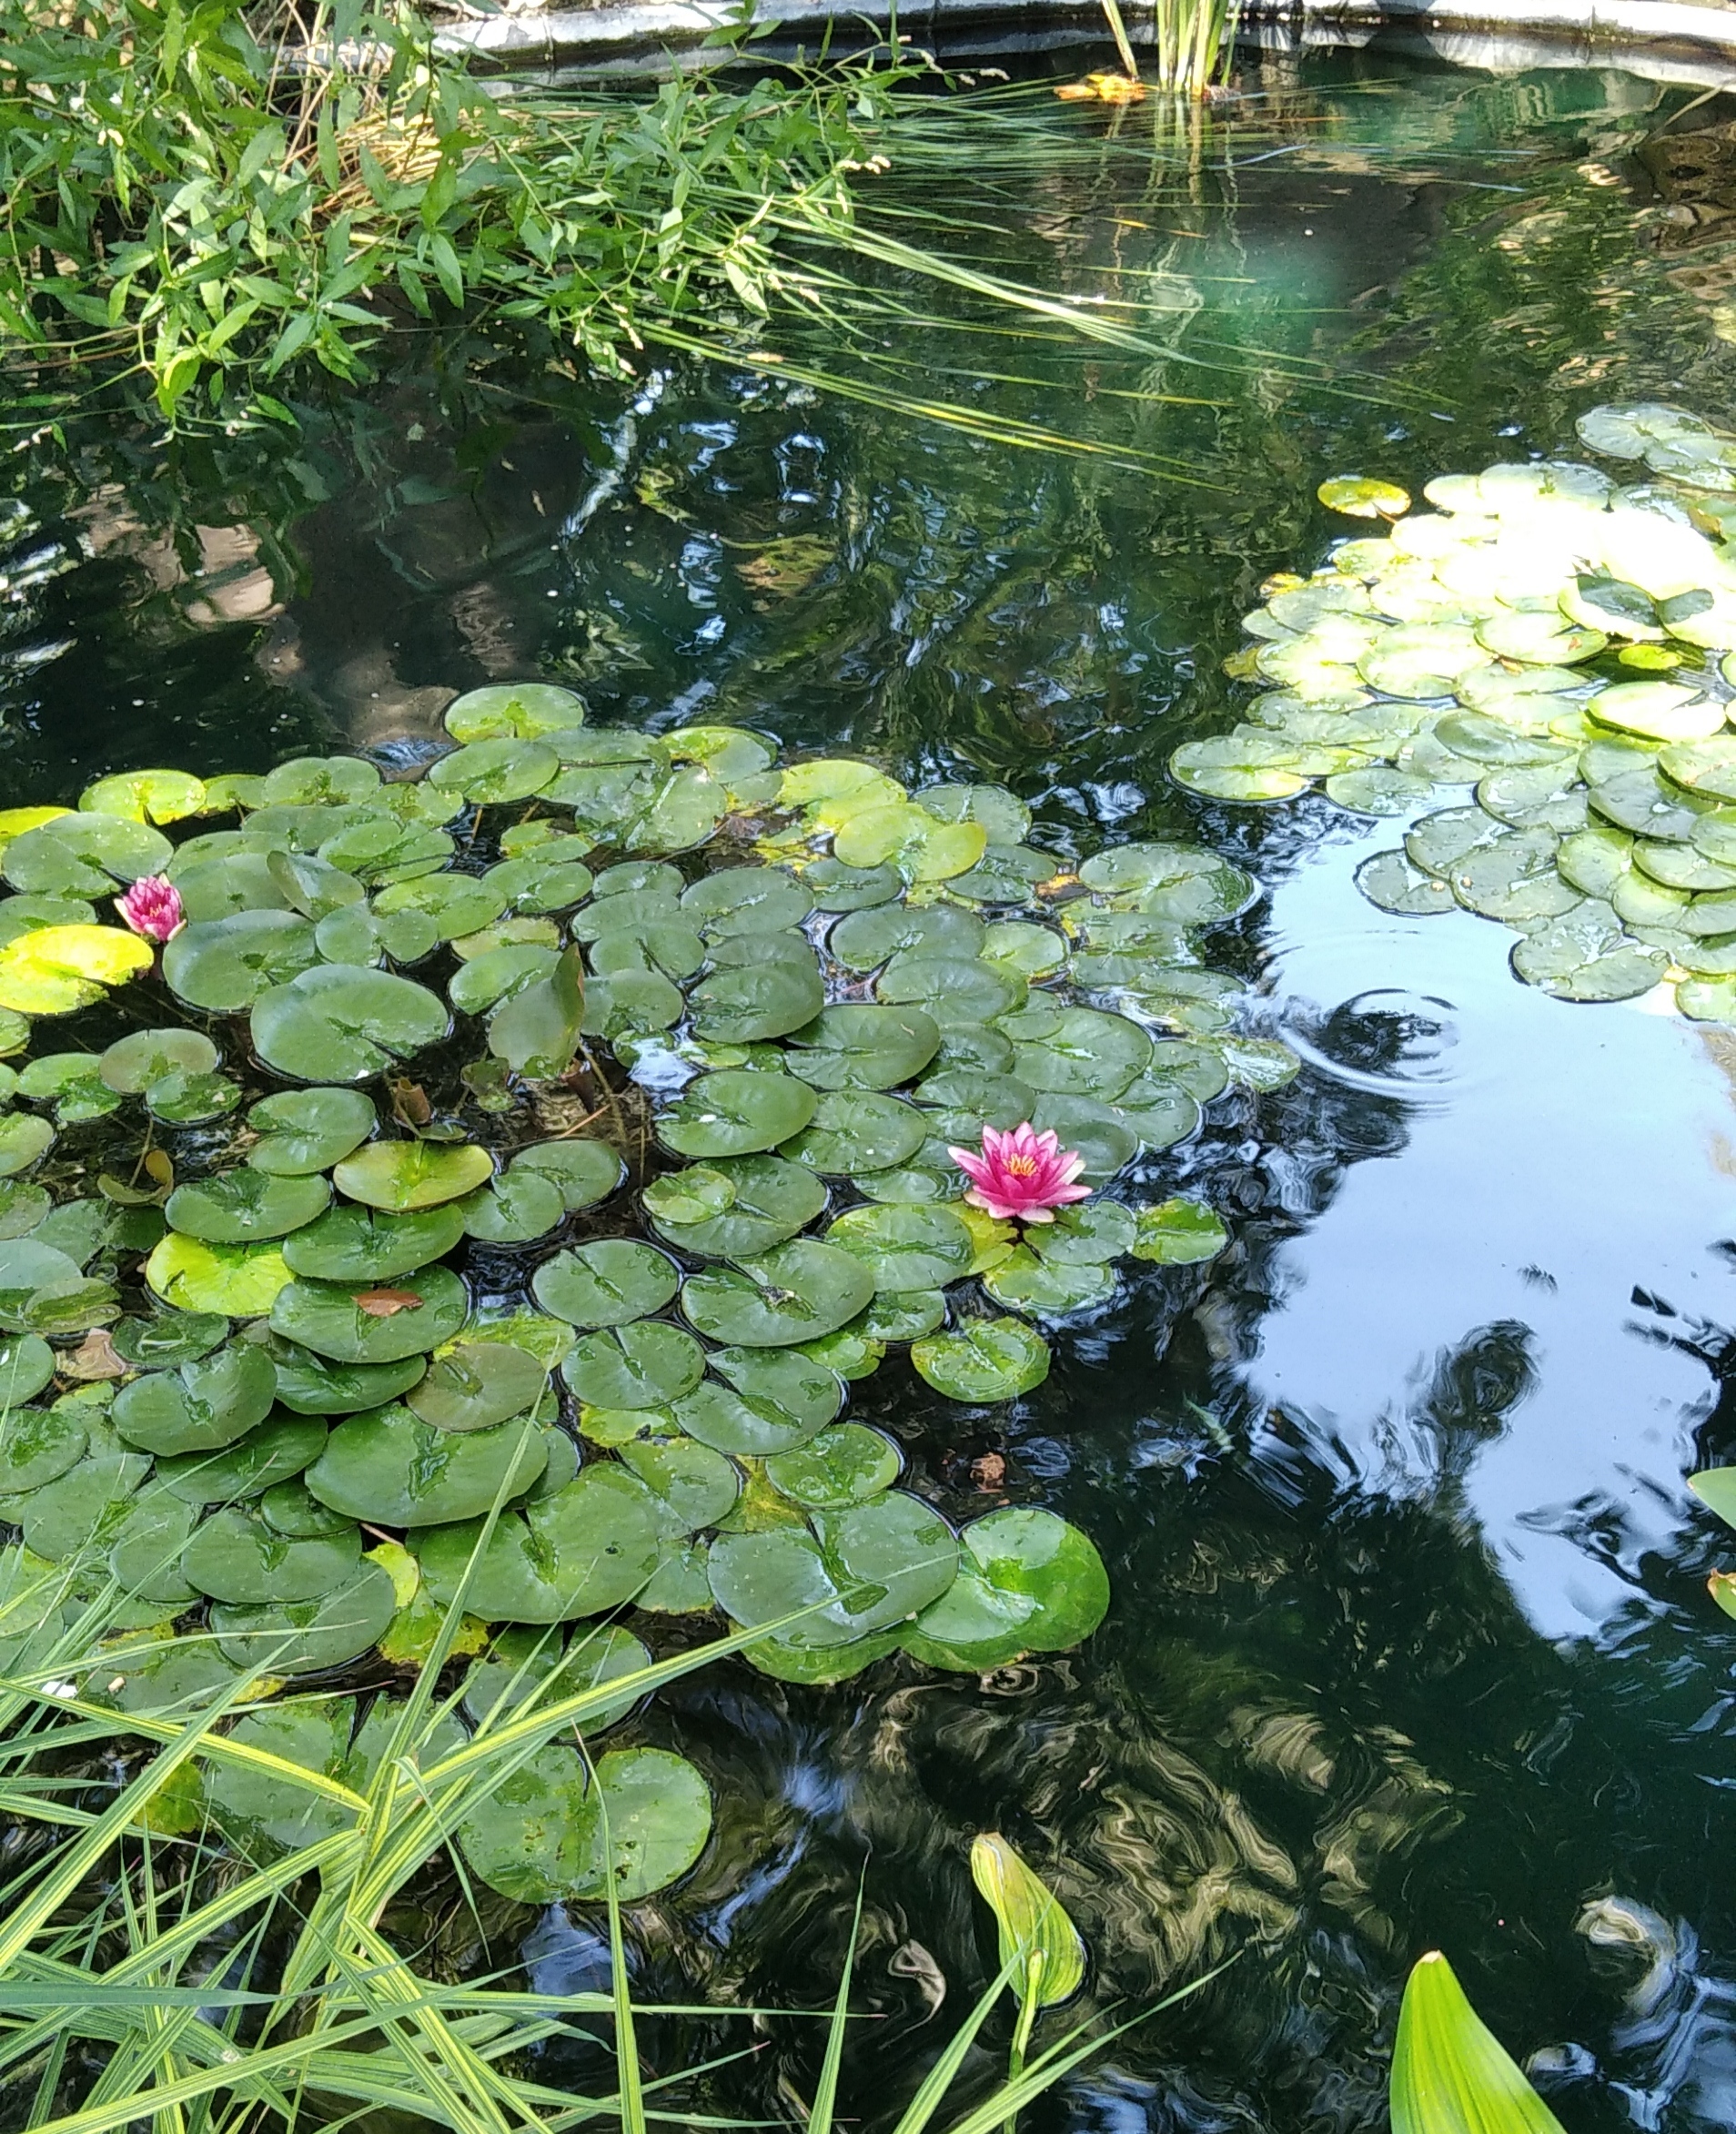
1450	2074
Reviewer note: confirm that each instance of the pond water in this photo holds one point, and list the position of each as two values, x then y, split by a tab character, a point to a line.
1410	1645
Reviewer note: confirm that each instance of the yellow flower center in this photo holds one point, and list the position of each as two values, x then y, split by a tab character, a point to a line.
1022	1166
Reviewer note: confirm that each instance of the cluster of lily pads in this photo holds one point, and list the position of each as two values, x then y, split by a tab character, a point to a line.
687	1130
1554	656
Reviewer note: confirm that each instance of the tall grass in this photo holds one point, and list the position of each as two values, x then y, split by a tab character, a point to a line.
148	1972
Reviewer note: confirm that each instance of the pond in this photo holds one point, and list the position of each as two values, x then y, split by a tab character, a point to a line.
1410	1645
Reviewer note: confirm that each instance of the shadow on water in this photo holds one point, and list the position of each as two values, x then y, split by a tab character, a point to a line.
1410	1645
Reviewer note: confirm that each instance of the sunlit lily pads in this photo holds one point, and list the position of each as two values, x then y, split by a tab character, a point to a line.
307	1131
343	1022
54	970
736	1112
644	1364
984	1359
1028	1581
241	1281
240	1206
1362	496
401	1177
586	1549
391	1467
794	1292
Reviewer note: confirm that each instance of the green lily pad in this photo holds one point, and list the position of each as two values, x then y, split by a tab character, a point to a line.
864	940
1179	1233
392	1469
629	1003
835	887
1028	1581
1707	767
201	1407
1657	711
306	1130
38	1444
269	1454
314	1385
986	1359
133	1064
552	1832
306	1637
746	900
752	1004
497	972
853	1047
379	849
343	1022
1254	767
606	1284
794	1292
365	1245
903	1315
1086	1053
1588	956
759	1201
587	1549
293	1510
1361	496
240	1206
1046	1289
514	1209
585	1171
402	1176
477	1384
222	966
168	1339
329	1319
953	989
841	1466
861	1569
646	1364
905	1247
236	1557
453	903
518	711
736	1112
854	1130
318	782
525	1662
145	1542
1394	882
23	1140
497	771
678	1585
541	882
694	1486
82	855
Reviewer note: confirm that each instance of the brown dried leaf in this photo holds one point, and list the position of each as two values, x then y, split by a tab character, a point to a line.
94	1358
387	1303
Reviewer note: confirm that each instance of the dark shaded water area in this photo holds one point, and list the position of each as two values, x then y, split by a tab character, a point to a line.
1409	1645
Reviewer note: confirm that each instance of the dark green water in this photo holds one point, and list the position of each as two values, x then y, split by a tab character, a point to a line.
1411	1646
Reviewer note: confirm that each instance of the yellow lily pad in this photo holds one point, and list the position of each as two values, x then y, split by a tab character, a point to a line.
53	970
242	1281
1359	498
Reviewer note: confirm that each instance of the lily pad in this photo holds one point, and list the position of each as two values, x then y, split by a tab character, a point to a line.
757	1002
314	1385
306	1637
269	1455
1588	956
402	1176
736	1112
525	1662
363	1245
54	970
307	1131
1179	1232
860	1570
794	1292
853	1047
1028	1581
23	1140
223	966
853	1130
335	1318
514	1209
986	1359
167	1338
38	1444
606	1284
1361	496
585	1171
392	1469
845	1465
82	855
553	1832
646	1364
905	1247
240	1206
694	1486
734	1206
746	900
344	1022
497	771
587	1549
476	1384
201	1407
1046	1289
519	710
236	1557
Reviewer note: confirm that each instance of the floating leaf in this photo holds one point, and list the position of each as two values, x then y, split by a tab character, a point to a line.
401	1177
794	1292
607	1283
1450	2075
343	1022
53	970
584	1550
393	1469
240	1207
305	1637
476	1384
329	1318
363	1245
1179	1233
542	1838
241	1281
1361	496
987	1360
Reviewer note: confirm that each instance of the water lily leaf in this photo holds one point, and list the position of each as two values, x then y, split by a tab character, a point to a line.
762	1200
518	711
775	1399
82	855
306	1130
329	1317
606	1284
1035	1934
1028	1581
24	915
1513	878
864	1569
314	1385
453	903
514	1209
1450	2075
521	1662
694	1487
845	1465
54	970
222	966
241	1206
1587	954
1541	637
987	1360
1243	767
1028	951
584	1550
1045	1288
952	989
23	1140
170	1338
1394	882
853	1047
1085	1053
1361	496
361	1245
494	772
401	1177
903	1315
241	1280
201	1407
236	1557
854	1130
865	940
393	1469
971	1101
1657	711
629	1003
319	782
1707	767
1179	1233
905	1247
378	849
343	1022
585	1172
477	1384
754	1003
306	1637
266	1457
541	882
38	1444
645	1364
794	1292
664	947
746	900
499	973
542	1838
735	1112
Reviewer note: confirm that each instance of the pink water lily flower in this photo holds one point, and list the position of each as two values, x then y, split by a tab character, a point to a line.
1021	1176
152	908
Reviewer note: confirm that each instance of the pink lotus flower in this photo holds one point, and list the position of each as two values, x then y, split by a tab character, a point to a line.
1021	1176
152	908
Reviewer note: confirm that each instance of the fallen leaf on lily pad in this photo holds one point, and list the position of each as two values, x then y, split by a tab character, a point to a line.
387	1303
94	1358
